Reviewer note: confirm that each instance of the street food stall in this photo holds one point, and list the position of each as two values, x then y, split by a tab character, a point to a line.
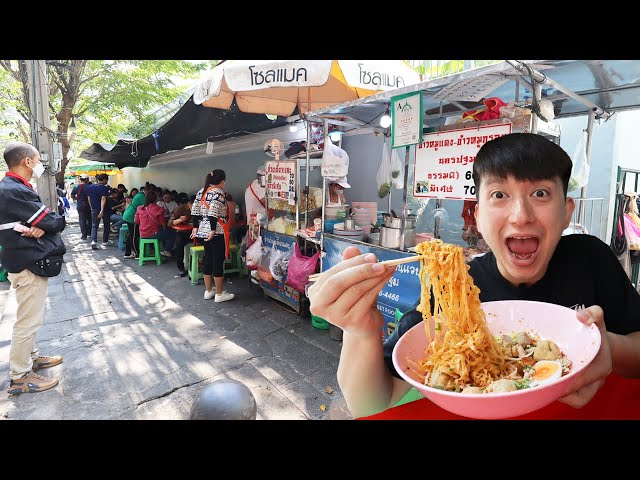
437	127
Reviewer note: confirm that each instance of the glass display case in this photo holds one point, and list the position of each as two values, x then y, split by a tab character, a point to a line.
291	204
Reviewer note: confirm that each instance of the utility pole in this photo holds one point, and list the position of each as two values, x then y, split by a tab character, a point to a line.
41	132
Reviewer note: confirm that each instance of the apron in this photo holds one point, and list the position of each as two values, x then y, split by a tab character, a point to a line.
226	228
259	199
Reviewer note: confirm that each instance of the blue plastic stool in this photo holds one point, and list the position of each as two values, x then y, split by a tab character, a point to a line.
124	231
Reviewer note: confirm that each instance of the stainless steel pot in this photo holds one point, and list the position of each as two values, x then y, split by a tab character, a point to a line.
349	223
390	237
392	222
410	221
410	237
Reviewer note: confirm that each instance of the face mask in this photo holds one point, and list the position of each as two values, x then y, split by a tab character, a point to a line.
38	170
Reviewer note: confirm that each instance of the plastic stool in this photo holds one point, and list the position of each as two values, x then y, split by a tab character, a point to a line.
3	275
234	264
145	256
193	265
124	231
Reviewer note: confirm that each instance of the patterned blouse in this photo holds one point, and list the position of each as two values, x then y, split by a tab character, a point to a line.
214	204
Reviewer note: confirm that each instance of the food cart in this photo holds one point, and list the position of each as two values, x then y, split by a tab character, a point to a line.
453	122
291	202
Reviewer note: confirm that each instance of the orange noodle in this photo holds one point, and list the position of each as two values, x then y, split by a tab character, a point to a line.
463	351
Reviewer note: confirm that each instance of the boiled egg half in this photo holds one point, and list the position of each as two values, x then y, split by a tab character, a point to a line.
545	371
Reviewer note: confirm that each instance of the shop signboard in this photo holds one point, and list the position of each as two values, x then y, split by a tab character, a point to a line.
406	119
281	180
401	291
444	161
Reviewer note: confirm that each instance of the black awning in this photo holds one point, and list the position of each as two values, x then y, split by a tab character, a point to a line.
191	125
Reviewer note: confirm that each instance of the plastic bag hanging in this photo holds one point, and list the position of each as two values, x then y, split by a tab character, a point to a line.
335	161
384	177
397	170
580	170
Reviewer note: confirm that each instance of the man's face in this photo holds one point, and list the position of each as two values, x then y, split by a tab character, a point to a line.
522	223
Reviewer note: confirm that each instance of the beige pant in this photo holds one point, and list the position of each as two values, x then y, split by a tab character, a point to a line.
31	292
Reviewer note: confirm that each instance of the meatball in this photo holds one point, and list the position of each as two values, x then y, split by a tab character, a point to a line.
472	390
523	339
547	350
441	380
502	385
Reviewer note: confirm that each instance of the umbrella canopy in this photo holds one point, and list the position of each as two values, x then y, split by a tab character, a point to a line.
94	169
277	87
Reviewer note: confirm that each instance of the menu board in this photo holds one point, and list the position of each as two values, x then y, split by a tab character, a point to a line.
444	161
281	181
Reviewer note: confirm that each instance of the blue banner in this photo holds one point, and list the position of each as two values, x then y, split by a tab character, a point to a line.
402	290
279	290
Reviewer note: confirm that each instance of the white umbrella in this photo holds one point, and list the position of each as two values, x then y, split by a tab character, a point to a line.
277	87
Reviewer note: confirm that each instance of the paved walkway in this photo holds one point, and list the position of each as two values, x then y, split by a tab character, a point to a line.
139	343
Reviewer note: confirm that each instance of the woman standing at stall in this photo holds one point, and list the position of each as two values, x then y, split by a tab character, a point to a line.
210	216
336	192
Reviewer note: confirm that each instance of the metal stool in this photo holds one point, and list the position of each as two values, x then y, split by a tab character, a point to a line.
145	256
193	265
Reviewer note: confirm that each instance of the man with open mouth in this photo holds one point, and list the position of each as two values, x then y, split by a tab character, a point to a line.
521	184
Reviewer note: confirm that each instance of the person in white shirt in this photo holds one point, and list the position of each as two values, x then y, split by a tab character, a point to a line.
254	196
336	192
167	203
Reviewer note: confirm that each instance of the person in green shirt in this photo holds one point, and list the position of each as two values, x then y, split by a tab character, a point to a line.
133	238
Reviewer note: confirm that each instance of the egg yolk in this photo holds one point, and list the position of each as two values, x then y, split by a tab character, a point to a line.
545	370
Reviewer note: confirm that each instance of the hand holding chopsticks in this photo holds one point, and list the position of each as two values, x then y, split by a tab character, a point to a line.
398	261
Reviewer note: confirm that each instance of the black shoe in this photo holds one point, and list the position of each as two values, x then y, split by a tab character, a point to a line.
83	238
181	273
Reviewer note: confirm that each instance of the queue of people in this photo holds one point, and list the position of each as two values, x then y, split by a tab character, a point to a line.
210	217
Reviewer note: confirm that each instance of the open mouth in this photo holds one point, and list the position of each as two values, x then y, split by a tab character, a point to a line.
523	249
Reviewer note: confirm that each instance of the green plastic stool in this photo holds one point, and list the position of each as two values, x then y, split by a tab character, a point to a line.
234	264
145	255
193	265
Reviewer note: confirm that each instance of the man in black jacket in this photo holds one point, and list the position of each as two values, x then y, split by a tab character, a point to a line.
32	251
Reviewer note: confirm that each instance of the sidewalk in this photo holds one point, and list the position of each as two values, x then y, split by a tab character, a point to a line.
141	344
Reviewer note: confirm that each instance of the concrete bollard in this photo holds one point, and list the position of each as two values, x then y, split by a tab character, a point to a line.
224	399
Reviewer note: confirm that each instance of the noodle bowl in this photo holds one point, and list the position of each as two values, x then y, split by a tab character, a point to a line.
463	354
580	344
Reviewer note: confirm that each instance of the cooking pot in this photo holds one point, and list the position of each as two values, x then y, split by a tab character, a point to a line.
390	221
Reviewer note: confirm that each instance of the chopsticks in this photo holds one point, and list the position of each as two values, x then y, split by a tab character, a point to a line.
388	263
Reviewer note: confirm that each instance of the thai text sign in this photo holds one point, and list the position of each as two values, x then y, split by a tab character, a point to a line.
281	180
444	161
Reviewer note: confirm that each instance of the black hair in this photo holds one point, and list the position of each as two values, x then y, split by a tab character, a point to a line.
150	196
16	151
131	194
182	198
192	198
214	178
523	156
102	176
